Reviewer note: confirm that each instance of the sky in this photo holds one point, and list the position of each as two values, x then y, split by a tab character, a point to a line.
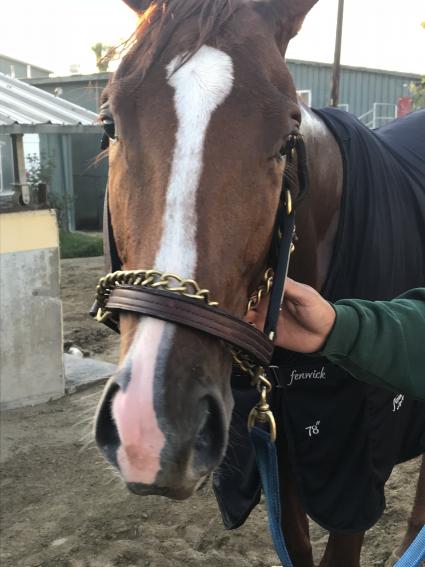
383	34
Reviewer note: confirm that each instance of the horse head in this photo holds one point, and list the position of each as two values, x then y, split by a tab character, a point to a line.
202	104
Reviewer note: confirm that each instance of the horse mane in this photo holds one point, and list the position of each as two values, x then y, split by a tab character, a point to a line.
157	25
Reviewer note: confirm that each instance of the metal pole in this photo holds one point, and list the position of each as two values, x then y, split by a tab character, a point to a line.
337	57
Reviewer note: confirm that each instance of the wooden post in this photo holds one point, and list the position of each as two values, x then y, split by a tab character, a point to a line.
337	57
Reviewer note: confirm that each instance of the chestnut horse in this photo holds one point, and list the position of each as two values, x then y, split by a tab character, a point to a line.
202	104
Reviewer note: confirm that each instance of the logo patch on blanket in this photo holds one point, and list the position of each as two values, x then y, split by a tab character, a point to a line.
314	374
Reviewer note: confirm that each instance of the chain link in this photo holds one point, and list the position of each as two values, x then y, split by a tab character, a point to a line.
263	290
165	281
245	364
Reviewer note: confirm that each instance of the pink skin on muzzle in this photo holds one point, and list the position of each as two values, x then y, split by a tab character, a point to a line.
133	410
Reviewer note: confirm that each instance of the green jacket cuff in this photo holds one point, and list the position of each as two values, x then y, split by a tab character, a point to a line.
344	332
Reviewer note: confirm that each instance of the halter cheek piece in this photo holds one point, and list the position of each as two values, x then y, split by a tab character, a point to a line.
171	298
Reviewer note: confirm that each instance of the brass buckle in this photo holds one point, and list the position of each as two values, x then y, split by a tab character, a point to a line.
102	315
261	412
288	202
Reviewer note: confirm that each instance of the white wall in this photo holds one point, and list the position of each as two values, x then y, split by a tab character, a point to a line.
31	339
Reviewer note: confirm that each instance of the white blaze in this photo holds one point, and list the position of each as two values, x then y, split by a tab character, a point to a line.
200	86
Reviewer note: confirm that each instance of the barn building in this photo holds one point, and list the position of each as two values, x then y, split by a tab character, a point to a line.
18	69
370	94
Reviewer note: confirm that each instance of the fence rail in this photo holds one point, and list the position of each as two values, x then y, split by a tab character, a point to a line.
381	113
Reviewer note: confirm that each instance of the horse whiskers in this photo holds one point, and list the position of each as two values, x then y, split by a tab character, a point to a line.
89	443
114	477
87	410
87	396
82	423
85	448
127	334
90	404
87	440
229	468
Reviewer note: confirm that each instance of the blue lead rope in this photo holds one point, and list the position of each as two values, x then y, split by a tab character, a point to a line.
265	451
415	553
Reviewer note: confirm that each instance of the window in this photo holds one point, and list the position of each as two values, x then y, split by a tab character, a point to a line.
6	165
1	168
305	96
31	146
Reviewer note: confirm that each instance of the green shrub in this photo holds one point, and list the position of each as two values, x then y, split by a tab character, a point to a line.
79	245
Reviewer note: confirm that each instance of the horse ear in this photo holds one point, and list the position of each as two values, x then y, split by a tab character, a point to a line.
139	6
292	13
298	10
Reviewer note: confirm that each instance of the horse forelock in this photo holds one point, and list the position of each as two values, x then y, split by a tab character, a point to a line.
203	20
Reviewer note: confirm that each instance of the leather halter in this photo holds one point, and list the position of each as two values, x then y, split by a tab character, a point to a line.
218	323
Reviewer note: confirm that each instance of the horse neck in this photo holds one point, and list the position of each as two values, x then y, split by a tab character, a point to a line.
318	215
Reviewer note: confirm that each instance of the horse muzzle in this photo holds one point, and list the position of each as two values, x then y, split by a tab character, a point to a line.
168	454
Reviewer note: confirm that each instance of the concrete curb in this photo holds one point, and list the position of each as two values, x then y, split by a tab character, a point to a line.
81	373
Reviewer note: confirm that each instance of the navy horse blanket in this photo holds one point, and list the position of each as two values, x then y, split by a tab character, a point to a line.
344	437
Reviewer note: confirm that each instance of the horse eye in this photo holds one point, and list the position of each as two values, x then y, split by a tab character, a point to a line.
109	127
108	134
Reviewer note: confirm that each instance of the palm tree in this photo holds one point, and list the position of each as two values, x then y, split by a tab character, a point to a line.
104	54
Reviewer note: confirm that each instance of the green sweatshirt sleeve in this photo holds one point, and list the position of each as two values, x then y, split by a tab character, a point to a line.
382	342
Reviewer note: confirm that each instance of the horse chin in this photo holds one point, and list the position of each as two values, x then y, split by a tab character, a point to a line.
181	493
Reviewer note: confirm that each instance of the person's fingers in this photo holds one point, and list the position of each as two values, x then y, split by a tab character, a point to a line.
251	316
299	293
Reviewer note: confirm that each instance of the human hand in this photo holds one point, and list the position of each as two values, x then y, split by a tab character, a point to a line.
305	321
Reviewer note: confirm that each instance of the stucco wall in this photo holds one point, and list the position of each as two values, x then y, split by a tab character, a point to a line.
31	364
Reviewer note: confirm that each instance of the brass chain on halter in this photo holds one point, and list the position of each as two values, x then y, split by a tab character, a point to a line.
262	291
167	281
148	278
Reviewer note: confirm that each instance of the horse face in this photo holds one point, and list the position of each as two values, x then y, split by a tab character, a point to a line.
194	184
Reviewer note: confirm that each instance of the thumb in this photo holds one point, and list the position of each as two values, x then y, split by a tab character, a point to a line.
298	293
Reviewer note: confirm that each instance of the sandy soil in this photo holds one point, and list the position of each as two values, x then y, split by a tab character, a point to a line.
63	507
79	278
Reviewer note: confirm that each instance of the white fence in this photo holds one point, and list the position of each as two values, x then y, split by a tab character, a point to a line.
380	114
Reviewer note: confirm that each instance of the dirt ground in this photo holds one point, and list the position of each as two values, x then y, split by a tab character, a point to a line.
63	507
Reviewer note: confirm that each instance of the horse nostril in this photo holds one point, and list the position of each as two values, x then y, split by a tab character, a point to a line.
106	432
210	439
